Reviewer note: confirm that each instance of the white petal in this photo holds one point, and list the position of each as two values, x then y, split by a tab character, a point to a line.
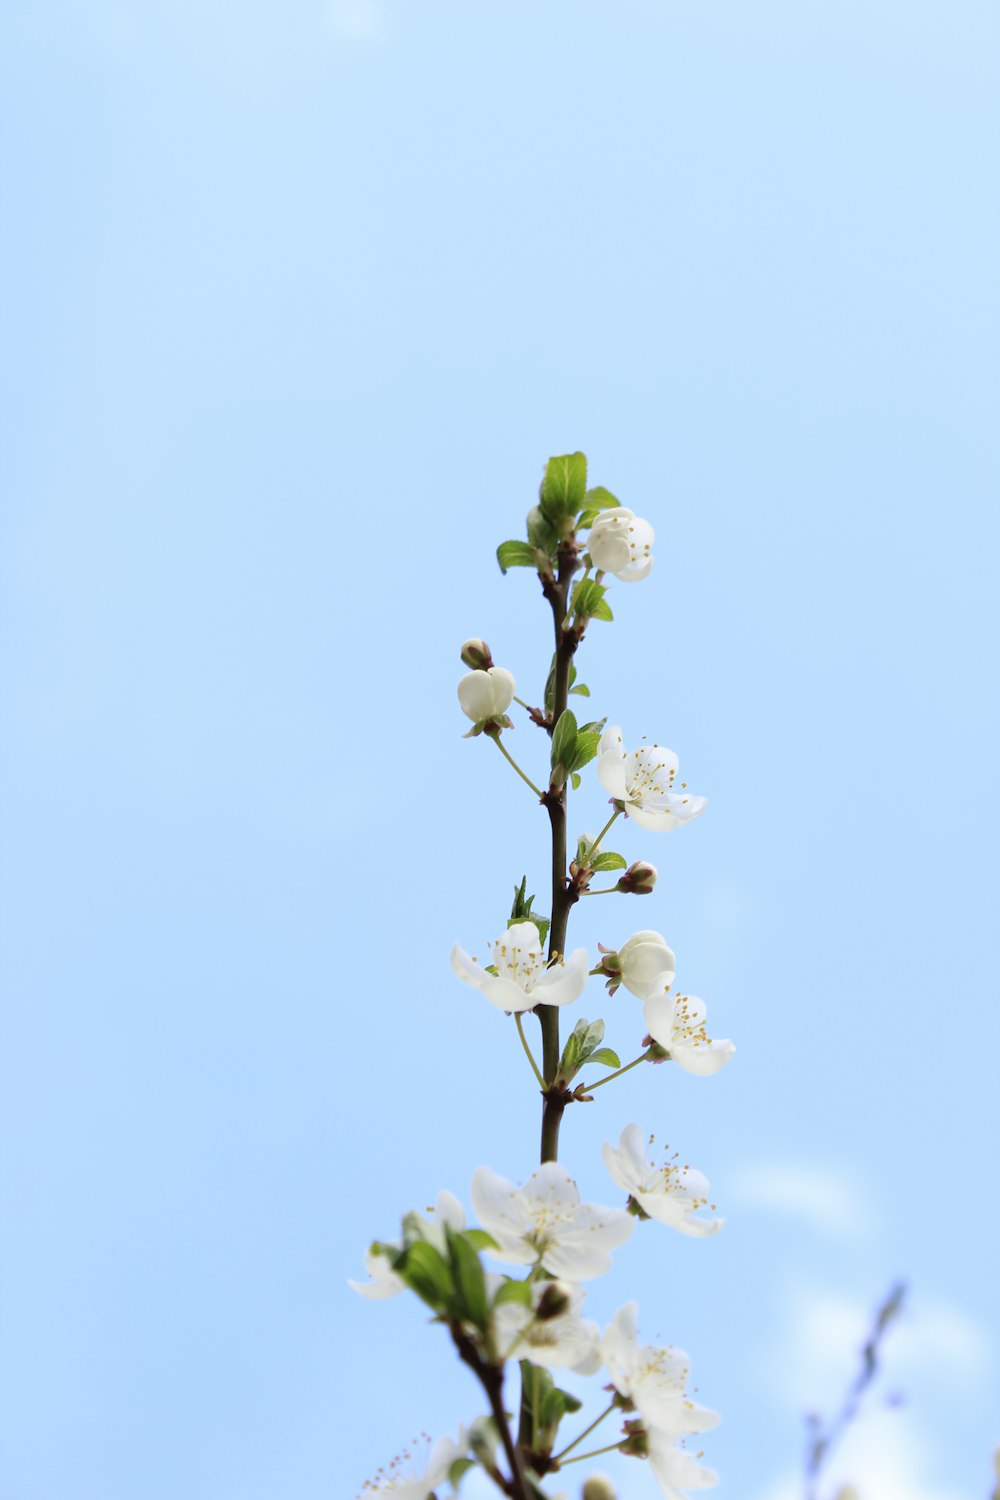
467	969
499	1205
563	983
705	1059
658	1014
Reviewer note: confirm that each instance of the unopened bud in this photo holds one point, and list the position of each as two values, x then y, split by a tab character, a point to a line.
599	1487
486	695
554	1301
476	654
638	879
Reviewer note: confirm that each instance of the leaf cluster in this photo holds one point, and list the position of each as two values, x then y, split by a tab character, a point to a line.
565	505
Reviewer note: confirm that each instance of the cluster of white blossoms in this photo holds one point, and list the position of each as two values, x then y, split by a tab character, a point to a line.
537	1316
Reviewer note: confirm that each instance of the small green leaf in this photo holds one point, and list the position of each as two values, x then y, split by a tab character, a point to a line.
513	1291
480	1240
564	740
516	555
585	749
563	488
601	611
600	499
426	1272
606	1056
582	689
470	1280
459	1469
540	534
575	779
607	860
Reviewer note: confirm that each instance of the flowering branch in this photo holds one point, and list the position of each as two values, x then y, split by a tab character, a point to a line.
536	1316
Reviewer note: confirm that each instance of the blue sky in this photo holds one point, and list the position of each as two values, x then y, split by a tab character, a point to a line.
297	299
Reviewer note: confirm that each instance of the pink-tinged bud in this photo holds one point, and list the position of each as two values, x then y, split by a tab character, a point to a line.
476	654
638	879
599	1487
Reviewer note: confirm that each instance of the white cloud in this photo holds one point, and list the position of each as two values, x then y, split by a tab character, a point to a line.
827	1201
363	22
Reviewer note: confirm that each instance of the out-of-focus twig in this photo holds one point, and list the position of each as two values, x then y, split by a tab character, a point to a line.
823	1437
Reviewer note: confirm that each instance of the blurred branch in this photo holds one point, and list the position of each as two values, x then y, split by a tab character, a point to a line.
824	1438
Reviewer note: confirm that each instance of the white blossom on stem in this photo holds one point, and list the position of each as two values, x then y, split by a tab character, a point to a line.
486	695
640	963
544	1223
523	977
677	1022
672	1194
644	782
395	1483
385	1282
620	542
676	1470
565	1341
653	1379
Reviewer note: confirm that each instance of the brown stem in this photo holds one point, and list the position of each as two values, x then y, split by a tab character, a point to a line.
490	1378
563	896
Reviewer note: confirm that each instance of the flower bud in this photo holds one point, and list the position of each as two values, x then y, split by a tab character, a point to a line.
646	964
554	1301
599	1487
486	695
638	879
476	654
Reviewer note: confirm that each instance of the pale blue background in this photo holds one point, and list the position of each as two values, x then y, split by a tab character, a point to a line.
297	298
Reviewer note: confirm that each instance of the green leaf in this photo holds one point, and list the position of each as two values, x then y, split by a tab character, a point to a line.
607	860
426	1272
564	740
606	1056
513	1291
585	749
459	1469
484	1438
581	1044
480	1240
540	533
563	488
516	555
470	1280
575	780
582	689
600	499
554	1405
601	611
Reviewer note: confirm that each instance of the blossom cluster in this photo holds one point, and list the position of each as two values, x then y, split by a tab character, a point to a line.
578	540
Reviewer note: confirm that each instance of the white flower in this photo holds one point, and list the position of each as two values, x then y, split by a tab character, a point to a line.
654	1380
486	695
545	1223
523	978
394	1482
676	1470
677	1022
385	1282
643	781
620	543
563	1342
642	961
671	1194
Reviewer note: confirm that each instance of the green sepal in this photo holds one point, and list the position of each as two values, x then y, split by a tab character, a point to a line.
471	1301
563	489
513	1291
517	555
